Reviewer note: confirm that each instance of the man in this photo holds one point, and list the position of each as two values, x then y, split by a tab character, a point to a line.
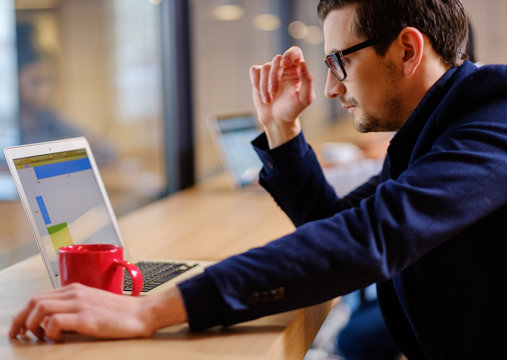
430	229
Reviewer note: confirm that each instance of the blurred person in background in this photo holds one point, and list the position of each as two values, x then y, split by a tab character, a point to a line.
38	120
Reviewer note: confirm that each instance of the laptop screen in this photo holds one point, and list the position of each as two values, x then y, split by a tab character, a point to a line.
234	135
65	201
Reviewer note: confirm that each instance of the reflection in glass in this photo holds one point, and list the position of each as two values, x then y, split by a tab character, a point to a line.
93	68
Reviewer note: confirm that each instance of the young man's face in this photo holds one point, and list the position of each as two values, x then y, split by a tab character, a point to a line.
369	92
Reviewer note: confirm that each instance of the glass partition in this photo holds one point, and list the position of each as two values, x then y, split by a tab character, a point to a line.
93	68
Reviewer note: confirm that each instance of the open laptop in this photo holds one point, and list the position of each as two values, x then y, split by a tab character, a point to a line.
232	133
66	203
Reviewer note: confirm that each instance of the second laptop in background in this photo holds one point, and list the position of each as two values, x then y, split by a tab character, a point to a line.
232	133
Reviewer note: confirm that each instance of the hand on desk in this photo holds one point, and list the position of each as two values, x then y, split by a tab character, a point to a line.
98	313
282	89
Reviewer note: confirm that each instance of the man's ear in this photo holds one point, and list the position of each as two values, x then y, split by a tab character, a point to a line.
411	43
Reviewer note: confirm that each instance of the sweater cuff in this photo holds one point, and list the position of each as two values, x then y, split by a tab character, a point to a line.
203	303
276	160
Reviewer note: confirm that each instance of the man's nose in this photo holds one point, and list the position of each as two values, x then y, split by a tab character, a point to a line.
334	88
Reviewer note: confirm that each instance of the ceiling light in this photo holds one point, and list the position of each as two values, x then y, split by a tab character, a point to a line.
298	29
267	22
228	12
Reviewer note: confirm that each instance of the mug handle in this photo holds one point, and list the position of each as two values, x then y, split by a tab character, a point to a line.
135	274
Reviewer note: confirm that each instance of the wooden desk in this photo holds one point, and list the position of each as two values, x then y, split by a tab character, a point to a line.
206	222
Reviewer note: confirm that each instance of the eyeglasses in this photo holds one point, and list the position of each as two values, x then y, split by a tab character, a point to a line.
335	61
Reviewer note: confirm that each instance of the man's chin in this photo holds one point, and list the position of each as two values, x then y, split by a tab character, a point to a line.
360	124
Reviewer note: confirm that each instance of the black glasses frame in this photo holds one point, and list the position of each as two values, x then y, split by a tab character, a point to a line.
338	57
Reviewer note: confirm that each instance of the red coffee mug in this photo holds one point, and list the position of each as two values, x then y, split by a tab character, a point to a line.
97	265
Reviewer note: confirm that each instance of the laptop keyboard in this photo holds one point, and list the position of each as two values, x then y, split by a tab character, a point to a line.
156	273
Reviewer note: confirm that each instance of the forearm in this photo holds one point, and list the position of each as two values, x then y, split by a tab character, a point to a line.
292	175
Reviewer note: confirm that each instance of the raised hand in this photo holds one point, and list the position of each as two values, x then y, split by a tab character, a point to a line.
281	90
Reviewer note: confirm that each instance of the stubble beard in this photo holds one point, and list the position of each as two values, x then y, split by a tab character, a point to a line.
390	117
368	122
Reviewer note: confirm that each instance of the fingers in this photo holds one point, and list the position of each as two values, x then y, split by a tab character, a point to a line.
58	323
267	73
259	75
38	314
33	317
255	72
307	92
274	76
43	312
18	323
292	56
266	79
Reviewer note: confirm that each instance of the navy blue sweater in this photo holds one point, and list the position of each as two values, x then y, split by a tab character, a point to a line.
430	230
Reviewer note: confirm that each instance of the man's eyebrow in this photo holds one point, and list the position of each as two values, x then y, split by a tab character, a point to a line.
332	51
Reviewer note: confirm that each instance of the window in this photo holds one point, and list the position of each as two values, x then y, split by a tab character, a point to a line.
93	68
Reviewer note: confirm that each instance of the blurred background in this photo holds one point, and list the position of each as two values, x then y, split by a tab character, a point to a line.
140	77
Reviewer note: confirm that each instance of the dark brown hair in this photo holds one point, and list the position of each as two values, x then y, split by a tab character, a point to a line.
443	21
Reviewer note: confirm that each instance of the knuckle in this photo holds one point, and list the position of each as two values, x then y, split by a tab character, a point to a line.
76	289
33	302
52	323
255	69
41	307
53	328
75	285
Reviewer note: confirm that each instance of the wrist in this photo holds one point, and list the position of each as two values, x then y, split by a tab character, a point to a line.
164	310
279	133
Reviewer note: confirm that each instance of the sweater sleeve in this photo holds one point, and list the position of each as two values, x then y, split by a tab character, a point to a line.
294	178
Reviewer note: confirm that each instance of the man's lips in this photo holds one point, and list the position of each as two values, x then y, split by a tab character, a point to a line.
349	107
